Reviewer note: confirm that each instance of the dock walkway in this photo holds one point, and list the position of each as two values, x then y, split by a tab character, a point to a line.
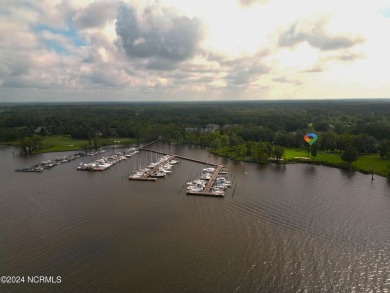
148	144
180	157
219	169
147	175
207	191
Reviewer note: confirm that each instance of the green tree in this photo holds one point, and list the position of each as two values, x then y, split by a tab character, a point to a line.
314	151
84	147
269	149
328	141
278	153
384	149
30	144
241	152
96	143
349	155
260	152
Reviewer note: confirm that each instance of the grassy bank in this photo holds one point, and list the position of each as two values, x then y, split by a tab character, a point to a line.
62	143
67	143
365	163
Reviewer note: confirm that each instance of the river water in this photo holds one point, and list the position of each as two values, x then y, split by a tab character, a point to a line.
294	228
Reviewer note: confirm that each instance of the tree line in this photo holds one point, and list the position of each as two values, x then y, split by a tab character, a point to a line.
245	128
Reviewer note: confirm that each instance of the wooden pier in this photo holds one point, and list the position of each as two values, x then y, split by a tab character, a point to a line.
148	144
213	178
219	169
147	175
206	191
180	157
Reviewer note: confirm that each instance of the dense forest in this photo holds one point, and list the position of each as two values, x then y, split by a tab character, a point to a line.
234	129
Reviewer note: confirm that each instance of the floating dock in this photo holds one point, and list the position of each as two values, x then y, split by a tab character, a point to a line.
29	169
207	190
147	176
219	169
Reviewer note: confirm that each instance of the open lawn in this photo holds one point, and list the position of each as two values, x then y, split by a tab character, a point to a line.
369	163
366	163
61	143
66	143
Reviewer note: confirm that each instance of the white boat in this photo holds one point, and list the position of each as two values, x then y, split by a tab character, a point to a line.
218	192
158	174
199	182
223	171
194	189
220	187
135	177
221	180
139	174
164	170
206	176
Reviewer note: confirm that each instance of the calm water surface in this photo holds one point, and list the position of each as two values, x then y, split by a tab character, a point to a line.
298	228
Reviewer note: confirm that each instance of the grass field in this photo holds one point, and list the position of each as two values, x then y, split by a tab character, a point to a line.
66	143
366	163
61	143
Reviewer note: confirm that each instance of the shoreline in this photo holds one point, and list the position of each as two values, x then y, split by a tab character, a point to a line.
294	160
309	161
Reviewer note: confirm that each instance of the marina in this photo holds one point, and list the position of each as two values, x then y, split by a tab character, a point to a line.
106	162
99	165
154	170
211	183
50	163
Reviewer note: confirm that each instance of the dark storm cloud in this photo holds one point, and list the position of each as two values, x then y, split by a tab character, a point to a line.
316	36
162	35
96	14
160	64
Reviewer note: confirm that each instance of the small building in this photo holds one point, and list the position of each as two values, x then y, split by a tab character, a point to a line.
42	130
211	127
191	129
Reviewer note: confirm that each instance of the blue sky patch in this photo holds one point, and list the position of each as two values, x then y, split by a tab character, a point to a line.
51	44
69	33
385	12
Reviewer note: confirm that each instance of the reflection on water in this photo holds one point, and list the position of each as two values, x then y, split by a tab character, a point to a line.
279	228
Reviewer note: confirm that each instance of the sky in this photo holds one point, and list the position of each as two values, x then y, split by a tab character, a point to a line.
193	50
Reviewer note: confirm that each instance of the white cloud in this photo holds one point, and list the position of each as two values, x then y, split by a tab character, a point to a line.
157	33
175	49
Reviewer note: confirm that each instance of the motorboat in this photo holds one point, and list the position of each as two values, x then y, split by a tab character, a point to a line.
205	176
194	189
164	170
158	174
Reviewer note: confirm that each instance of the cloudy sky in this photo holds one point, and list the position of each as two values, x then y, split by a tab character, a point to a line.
124	50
